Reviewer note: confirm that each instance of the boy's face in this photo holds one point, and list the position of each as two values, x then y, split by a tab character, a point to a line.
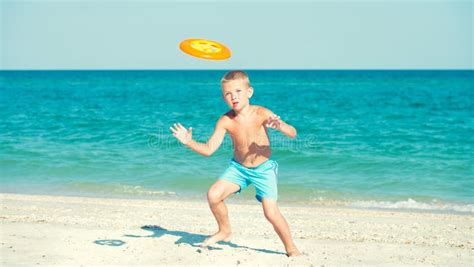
236	94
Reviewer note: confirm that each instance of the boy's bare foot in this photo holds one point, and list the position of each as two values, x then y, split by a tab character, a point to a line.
219	236
293	253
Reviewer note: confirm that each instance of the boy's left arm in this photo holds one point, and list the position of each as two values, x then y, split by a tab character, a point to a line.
274	121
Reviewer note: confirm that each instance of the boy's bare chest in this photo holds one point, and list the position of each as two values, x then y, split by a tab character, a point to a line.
247	129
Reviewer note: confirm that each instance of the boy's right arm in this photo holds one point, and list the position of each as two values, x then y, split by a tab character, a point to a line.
207	149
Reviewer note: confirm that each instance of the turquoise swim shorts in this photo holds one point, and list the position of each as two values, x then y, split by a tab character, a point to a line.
263	177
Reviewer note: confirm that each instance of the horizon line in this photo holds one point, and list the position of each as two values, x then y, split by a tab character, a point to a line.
226	69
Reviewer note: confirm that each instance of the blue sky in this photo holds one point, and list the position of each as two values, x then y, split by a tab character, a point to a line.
261	35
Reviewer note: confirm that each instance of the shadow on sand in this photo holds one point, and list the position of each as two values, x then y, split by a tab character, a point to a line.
193	239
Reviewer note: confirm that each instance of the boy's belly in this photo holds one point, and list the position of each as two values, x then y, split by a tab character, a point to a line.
251	145
254	156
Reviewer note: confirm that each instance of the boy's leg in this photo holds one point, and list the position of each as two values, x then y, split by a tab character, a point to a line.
219	191
274	216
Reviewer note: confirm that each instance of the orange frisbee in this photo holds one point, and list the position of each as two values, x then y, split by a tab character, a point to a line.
205	49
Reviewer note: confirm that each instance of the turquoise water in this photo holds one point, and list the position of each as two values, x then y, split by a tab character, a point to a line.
390	138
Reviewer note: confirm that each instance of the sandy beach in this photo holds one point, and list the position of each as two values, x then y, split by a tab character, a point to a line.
60	230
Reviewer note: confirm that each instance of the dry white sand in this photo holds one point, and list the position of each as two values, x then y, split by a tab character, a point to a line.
56	230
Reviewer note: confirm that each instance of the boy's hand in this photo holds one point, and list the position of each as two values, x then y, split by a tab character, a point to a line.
183	135
273	122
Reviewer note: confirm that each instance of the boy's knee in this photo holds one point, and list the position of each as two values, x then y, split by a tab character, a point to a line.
213	196
271	214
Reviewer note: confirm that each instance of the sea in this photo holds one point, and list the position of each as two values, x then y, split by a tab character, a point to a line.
383	139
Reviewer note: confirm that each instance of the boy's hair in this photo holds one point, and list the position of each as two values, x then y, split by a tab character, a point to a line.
236	75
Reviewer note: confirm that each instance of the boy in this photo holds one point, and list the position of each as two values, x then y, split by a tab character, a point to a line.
247	125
